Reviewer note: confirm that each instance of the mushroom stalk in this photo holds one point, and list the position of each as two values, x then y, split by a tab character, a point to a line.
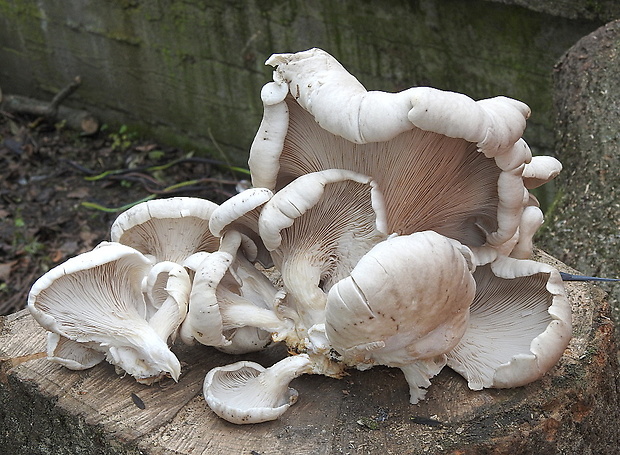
241	312
302	279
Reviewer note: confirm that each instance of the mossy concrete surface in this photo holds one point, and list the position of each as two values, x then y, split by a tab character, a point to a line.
604	10
583	228
190	72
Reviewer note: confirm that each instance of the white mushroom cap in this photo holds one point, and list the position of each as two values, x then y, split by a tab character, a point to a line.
304	193
240	213
71	354
540	170
442	161
318	227
520	324
167	288
233	209
95	297
405	304
408	297
319	82
167	229
246	392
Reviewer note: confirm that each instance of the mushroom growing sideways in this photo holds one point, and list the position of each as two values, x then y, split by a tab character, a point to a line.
96	301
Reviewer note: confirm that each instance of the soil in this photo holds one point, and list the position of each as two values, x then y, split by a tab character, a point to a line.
61	192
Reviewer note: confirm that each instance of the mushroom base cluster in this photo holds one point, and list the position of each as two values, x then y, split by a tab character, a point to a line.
400	226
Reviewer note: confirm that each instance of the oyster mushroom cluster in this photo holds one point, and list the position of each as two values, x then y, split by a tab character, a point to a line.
398	225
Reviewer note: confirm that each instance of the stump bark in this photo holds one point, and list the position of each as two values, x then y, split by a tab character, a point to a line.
47	409
583	228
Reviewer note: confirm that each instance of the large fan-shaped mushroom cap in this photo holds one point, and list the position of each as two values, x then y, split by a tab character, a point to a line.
442	161
520	324
405	302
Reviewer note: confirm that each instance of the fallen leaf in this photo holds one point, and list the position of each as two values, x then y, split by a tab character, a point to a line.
78	193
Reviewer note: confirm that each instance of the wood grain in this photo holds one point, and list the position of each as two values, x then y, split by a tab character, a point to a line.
366	412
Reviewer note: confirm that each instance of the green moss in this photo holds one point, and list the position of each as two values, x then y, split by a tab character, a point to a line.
197	67
22	8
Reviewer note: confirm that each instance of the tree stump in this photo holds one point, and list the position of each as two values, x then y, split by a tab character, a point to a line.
583	228
47	409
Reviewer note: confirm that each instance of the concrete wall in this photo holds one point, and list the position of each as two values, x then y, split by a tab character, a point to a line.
187	72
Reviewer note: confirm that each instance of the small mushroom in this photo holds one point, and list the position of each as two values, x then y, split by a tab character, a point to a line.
166	288
442	161
246	392
519	325
405	304
71	354
169	229
96	298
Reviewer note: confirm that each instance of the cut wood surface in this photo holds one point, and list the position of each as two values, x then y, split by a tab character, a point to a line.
47	409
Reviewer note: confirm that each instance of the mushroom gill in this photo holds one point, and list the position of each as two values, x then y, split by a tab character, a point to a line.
520	324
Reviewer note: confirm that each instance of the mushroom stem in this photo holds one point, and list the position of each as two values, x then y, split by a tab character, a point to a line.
302	279
242	312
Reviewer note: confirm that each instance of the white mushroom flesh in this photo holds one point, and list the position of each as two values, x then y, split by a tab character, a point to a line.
407	299
94	298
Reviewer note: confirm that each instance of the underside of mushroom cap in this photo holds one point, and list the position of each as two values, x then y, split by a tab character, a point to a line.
304	193
95	298
318	227
169	229
71	354
520	325
246	392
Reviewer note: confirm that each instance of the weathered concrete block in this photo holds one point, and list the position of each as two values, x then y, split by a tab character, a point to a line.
604	10
188	72
46	409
